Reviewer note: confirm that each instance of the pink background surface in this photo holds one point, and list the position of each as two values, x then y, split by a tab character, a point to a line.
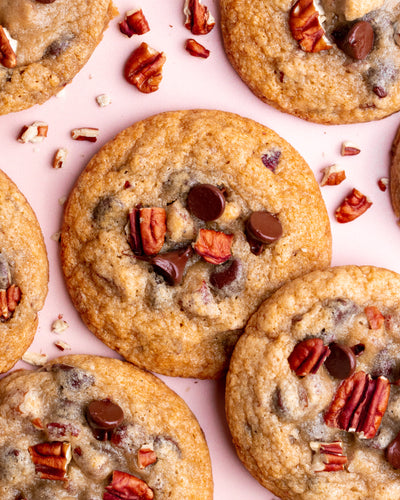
187	83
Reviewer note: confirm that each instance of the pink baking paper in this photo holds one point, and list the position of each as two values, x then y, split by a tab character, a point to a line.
188	82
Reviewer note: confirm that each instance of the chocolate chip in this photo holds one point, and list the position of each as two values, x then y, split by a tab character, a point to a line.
341	362
225	277
356	41
264	227
393	452
206	202
171	265
271	159
57	47
103	416
380	91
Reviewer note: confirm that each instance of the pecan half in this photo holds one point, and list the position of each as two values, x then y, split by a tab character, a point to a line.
354	205
134	23
7	54
214	246
198	17
123	485
307	356
144	68
359	404
375	318
329	457
146	456
152	229
196	49
51	459
306	28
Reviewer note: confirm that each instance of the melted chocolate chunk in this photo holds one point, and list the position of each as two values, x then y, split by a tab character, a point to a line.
393	452
57	47
5	276
341	362
263	227
206	202
72	378
358	349
356	40
271	159
226	276
171	265
104	416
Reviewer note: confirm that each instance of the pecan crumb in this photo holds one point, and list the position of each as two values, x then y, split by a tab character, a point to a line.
63	346
85	134
135	23
354	205
60	157
59	325
198	17
383	183
350	149
103	100
34	358
196	49
329	457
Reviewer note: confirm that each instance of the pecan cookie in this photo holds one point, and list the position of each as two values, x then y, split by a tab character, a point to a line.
43	44
395	175
98	428
313	396
179	228
23	273
328	61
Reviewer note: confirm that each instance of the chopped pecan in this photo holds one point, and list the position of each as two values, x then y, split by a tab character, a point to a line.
306	28
144	68
307	356
135	23
51	459
375	318
7	54
350	149
124	485
383	183
329	457
354	205
214	246
198	17
152	229
333	176
33	133
59	158
359	404
34	358
9	299
85	134
196	49
146	456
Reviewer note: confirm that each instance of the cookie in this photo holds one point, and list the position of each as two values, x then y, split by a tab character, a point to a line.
23	273
331	61
43	44
90	427
395	175
178	229
312	396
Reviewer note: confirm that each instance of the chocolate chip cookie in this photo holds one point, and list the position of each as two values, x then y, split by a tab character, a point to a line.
178	229
23	273
328	61
98	428
43	44
313	397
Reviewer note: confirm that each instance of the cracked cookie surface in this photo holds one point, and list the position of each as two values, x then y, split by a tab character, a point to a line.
123	432
179	310
310	427
23	273
326	86
51	41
